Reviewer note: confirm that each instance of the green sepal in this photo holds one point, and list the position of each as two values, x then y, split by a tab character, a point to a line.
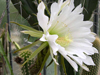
28	46
32	33
26	27
55	67
63	64
36	52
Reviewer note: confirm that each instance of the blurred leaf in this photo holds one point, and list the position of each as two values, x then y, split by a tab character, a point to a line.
27	28
2	32
8	37
28	46
16	45
32	33
5	57
63	64
36	52
1	18
24	7
69	68
28	8
88	5
49	63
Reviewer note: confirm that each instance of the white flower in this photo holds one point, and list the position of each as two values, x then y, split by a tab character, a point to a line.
67	33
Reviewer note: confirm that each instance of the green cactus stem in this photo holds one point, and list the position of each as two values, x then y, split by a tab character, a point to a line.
25	55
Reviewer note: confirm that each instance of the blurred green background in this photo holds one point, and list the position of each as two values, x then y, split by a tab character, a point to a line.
17	36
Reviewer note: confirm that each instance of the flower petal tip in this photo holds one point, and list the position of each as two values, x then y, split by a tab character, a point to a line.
41	6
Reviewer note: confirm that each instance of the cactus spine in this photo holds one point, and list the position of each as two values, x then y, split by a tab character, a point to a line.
25	55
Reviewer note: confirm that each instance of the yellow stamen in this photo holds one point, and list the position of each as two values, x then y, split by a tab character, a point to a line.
64	41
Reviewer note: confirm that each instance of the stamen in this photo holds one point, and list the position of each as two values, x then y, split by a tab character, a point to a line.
64	41
53	26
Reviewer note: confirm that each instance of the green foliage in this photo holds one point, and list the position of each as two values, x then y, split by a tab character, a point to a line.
5	57
42	56
28	46
2	5
36	52
28	8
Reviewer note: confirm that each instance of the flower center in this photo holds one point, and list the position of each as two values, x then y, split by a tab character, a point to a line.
64	41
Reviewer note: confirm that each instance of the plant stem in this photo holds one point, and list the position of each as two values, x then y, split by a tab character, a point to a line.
8	22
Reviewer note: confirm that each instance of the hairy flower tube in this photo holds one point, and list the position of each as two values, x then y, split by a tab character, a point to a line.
67	33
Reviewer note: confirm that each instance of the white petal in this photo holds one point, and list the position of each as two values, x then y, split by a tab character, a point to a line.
71	5
88	61
54	47
76	51
60	2
41	7
51	37
78	9
43	38
73	64
54	11
43	20
80	62
62	50
76	59
53	57
54	8
80	23
90	37
95	50
87	50
85	67
51	40
81	43
73	18
88	24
